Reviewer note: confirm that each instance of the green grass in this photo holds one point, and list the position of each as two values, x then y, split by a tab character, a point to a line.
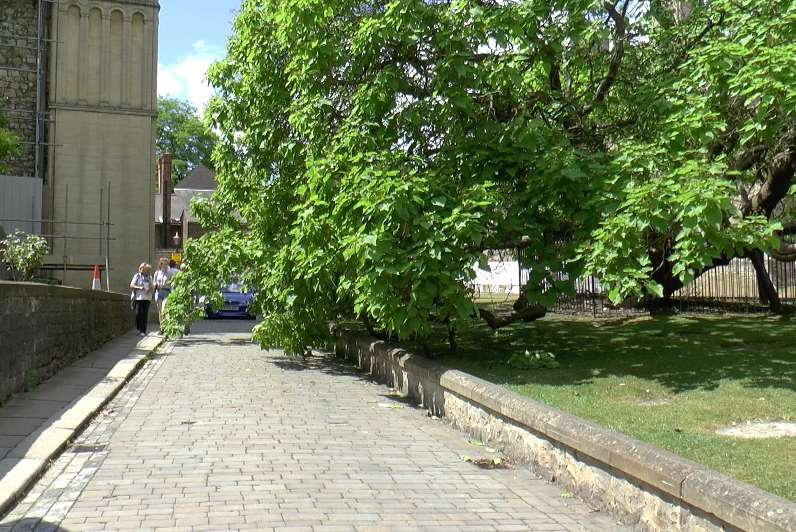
669	381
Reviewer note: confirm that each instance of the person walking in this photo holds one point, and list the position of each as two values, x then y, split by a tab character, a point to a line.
162	280
141	285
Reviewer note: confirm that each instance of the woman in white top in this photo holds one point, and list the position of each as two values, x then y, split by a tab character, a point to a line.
141	285
162	287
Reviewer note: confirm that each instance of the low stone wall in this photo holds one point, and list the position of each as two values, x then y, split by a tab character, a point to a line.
641	484
43	328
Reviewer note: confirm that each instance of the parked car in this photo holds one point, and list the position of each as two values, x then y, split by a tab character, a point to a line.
236	303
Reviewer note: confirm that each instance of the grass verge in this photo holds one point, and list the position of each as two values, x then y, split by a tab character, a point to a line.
669	381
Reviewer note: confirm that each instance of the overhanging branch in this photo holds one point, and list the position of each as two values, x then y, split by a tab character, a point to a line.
533	312
789	228
696	40
618	53
517	243
785	253
781	170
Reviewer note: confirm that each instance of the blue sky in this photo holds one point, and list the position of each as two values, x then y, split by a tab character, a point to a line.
193	34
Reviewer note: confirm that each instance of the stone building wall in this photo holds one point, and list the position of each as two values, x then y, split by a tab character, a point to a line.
101	91
102	98
19	18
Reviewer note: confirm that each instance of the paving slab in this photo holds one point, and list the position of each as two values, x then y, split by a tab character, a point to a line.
57	389
215	434
31	408
36	425
19	426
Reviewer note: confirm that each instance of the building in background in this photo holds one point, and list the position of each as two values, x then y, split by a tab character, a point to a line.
78	82
182	223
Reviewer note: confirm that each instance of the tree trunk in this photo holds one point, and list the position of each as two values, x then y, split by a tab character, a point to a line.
768	292
664	276
368	325
452	337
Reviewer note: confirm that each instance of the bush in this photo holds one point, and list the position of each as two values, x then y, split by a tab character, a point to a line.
24	253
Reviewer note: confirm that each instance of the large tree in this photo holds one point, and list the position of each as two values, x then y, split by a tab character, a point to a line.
371	150
181	132
705	175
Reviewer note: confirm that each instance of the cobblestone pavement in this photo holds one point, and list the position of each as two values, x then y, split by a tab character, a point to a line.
216	434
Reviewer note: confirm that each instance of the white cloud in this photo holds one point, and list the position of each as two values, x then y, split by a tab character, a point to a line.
187	78
168	83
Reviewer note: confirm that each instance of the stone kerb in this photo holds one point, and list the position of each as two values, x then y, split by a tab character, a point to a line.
642	484
43	328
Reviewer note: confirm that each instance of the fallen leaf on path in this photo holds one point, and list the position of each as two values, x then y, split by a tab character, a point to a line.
486	463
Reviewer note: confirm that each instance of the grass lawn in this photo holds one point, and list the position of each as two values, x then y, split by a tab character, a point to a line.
670	381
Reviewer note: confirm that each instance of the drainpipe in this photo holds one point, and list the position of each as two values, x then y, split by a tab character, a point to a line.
164	167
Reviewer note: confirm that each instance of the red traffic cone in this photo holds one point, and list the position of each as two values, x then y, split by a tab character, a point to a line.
96	283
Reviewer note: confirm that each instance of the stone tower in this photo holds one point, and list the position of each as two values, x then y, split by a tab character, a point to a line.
101	103
18	57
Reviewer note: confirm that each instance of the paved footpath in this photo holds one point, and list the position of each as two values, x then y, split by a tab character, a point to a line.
216	434
27	413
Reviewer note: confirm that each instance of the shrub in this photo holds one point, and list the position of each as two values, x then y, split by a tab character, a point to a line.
24	253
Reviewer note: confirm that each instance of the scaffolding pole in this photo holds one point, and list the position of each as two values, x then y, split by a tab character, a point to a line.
41	90
108	242
102	235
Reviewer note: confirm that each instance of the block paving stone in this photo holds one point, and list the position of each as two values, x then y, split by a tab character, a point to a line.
216	434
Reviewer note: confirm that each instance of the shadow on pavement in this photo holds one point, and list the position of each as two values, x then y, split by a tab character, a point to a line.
218	332
31	524
319	361
236	332
27	413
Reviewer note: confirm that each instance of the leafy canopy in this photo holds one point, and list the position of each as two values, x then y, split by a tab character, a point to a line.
182	133
369	151
704	176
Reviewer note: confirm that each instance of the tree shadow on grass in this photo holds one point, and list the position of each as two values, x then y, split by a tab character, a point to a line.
681	353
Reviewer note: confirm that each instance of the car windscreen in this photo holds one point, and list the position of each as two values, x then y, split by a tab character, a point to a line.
235	288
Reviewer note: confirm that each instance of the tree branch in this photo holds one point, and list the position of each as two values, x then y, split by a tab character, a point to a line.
781	170
789	228
518	243
533	312
749	157
696	40
616	57
786	252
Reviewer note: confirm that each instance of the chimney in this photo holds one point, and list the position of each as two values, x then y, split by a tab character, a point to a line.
164	171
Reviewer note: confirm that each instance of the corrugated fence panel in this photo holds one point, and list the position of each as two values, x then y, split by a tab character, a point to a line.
20	199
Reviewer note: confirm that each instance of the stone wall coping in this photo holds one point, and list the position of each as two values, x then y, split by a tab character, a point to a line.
732	501
41	289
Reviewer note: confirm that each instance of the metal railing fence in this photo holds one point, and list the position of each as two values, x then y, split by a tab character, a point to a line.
724	288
